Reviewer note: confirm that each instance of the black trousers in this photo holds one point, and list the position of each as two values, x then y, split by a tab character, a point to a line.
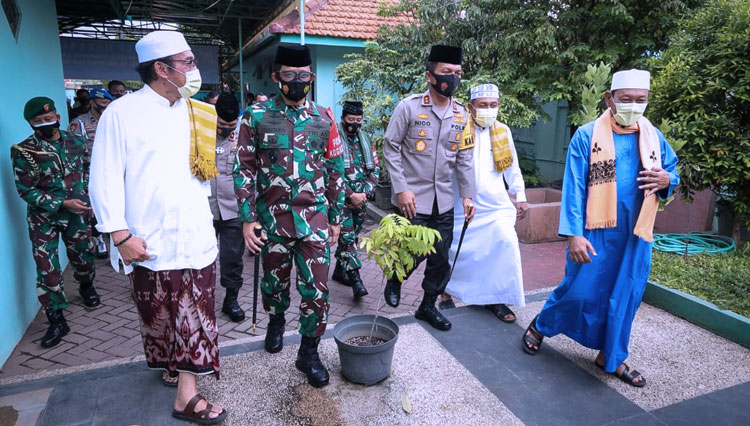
231	249
438	265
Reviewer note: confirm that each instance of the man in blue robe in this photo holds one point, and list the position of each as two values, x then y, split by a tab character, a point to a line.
608	207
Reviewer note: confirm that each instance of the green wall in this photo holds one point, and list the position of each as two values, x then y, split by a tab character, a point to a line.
32	66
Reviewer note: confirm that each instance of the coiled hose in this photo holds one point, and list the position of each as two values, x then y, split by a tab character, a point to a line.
694	242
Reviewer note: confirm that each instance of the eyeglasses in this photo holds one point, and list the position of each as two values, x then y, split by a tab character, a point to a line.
304	76
190	62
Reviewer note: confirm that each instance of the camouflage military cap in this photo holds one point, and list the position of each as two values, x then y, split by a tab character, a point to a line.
38	106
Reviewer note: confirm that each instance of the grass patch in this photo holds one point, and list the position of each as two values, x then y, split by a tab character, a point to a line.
723	280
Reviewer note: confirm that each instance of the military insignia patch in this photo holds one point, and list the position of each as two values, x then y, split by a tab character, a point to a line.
73	127
46	107
457	114
420	145
423	116
426	100
422	133
458	137
454	147
219	150
458	120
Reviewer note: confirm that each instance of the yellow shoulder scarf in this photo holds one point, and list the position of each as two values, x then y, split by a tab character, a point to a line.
501	156
202	140
601	206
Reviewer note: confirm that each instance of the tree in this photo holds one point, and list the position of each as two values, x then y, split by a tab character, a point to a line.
702	86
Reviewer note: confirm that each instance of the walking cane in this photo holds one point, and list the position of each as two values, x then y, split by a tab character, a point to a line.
258	231
460	241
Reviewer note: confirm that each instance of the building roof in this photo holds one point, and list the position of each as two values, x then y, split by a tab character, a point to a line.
357	19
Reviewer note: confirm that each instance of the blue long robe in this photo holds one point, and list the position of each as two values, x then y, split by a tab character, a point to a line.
596	302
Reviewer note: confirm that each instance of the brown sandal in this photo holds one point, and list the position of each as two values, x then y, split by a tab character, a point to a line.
202	417
169	380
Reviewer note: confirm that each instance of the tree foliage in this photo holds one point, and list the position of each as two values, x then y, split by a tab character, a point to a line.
702	86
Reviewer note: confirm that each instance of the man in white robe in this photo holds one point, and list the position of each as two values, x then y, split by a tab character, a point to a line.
488	269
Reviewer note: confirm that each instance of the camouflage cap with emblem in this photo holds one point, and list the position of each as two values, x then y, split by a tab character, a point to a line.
38	106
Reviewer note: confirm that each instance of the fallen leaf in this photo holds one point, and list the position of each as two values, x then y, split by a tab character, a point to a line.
406	404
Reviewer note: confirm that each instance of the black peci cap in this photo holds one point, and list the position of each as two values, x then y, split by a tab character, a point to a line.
293	55
353	108
446	54
227	107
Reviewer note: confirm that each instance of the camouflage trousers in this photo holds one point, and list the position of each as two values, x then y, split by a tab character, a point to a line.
310	255
351	225
45	231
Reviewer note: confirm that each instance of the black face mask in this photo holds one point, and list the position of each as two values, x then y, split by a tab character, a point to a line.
294	90
48	130
446	84
352	128
99	108
117	95
224	132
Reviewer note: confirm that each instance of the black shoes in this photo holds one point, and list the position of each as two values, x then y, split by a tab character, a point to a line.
308	362
341	276
58	328
231	307
428	312
275	333
392	293
89	295
358	287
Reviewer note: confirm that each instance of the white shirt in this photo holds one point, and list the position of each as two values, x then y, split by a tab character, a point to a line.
489	182
141	181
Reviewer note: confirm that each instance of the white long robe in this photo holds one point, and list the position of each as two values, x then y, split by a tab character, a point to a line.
488	269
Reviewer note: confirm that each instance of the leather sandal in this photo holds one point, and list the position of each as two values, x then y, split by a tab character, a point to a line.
169	380
202	417
627	375
534	340
501	311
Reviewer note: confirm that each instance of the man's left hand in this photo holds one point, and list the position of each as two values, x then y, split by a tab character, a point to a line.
333	233
653	180
357	199
521	209
469	209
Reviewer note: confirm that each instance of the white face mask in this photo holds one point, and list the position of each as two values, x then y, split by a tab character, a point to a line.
486	116
628	114
192	83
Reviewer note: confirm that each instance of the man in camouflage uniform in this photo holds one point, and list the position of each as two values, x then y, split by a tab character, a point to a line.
288	178
49	173
361	163
85	126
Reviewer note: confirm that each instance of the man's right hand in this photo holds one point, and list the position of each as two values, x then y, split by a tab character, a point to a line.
407	202
76	205
133	250
579	248
252	242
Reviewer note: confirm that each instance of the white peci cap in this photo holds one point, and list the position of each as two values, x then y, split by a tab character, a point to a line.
631	79
160	44
484	91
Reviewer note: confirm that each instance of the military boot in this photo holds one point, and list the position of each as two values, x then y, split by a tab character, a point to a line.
392	292
340	276
275	333
428	312
358	287
231	307
89	295
308	362
58	328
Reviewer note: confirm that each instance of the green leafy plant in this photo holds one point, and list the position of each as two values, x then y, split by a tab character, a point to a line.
595	83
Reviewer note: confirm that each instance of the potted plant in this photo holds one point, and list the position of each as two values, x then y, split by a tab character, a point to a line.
366	342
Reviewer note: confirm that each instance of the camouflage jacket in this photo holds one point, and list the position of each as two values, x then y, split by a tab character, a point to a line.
47	173
357	177
288	169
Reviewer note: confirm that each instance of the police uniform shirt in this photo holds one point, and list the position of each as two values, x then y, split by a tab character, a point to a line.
223	201
422	152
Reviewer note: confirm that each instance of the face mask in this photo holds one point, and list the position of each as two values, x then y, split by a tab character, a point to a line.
192	83
99	108
446	84
117	95
225	132
46	130
294	90
352	128
628	114
486	116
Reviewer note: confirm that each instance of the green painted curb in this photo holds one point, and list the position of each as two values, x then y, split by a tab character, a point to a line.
704	314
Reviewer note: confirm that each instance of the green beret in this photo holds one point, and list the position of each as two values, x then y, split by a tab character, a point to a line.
38	106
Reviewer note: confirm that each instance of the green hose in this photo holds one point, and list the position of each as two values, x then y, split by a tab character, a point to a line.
699	243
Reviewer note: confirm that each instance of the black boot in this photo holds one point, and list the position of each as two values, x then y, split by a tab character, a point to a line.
89	295
309	363
275	333
231	307
58	328
428	312
358	287
340	276
392	292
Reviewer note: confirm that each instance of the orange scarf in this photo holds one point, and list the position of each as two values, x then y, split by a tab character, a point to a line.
601	206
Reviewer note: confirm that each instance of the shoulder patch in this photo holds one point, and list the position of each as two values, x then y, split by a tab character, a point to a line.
426	100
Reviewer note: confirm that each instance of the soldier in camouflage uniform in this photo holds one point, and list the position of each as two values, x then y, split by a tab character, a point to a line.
288	177
85	126
49	173
361	177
